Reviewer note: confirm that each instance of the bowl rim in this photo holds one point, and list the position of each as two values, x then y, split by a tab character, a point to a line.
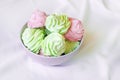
42	56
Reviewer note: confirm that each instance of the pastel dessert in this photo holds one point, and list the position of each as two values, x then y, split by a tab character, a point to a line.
53	46
57	23
70	46
75	32
53	35
37	19
32	39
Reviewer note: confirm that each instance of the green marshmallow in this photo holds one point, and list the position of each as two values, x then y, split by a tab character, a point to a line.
57	23
32	38
70	46
53	45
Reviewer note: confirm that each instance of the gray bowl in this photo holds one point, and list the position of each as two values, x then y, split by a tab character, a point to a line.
49	60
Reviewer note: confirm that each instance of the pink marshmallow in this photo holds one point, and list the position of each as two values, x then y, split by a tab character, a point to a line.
37	19
75	32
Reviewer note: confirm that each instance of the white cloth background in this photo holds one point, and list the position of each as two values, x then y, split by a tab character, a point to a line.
99	56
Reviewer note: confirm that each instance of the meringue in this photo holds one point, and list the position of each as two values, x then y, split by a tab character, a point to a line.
53	45
76	31
37	19
70	46
57	23
32	39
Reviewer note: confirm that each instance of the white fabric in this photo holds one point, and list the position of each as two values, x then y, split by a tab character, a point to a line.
99	56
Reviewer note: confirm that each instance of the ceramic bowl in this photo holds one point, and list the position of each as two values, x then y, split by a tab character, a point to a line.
49	60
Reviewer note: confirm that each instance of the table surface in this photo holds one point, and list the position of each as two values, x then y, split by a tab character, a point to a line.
98	58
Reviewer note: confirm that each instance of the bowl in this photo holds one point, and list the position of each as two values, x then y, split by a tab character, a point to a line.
45	60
